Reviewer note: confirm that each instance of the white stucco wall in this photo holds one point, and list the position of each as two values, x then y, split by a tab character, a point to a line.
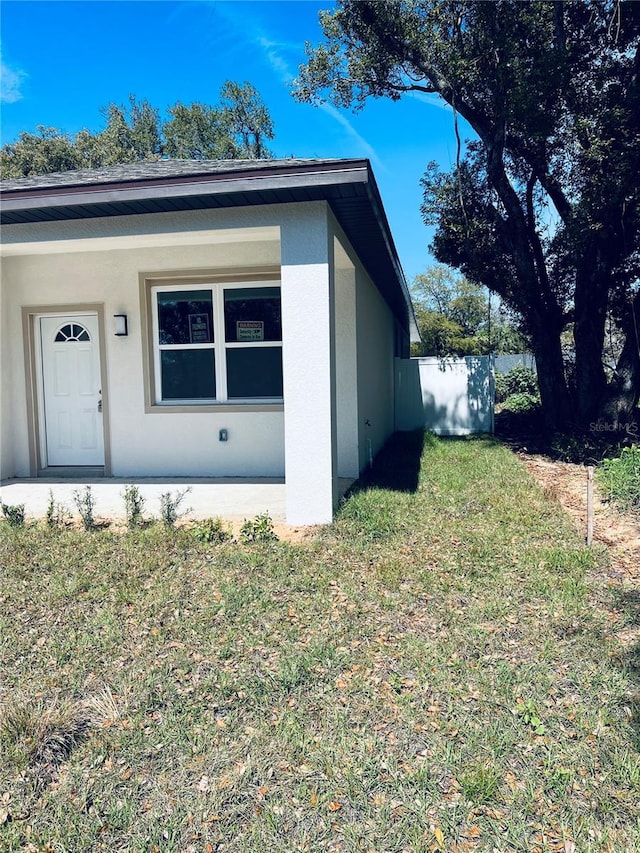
338	344
375	337
365	337
308	318
141	443
6	372
346	364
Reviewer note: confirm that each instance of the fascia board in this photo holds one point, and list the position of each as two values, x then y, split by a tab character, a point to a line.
183	187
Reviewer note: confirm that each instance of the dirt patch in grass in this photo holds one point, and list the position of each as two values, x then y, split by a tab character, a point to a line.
619	532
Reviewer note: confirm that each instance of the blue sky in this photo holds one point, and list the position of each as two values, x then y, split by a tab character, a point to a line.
62	61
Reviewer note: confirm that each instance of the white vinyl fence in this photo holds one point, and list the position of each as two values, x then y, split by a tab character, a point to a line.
448	396
505	363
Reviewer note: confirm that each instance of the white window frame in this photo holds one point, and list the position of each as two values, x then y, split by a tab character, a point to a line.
219	344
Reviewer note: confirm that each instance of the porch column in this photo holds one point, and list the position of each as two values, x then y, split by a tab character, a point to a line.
309	366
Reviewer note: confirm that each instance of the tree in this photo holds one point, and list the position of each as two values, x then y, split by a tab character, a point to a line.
247	119
197	132
235	128
543	206
457	317
132	133
46	150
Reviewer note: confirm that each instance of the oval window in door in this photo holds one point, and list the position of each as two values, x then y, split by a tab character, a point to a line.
72	332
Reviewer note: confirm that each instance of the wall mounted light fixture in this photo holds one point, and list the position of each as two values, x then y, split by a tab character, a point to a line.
120	327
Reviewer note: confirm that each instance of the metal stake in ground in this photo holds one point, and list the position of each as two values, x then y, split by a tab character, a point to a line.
589	504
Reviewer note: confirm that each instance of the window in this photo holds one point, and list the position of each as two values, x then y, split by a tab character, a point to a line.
72	332
217	343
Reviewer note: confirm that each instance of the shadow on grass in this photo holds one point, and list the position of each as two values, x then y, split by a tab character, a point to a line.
397	466
629	602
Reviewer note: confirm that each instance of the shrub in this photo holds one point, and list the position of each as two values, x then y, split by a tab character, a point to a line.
521	402
258	529
133	505
211	530
14	514
170	506
519	380
57	513
85	504
620	478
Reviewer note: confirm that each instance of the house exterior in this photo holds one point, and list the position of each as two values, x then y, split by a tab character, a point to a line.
201	319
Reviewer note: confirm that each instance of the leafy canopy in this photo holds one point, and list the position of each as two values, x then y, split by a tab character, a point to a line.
457	317
238	127
543	205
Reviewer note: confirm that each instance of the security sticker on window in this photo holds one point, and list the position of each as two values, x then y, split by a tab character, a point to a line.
250	330
199	332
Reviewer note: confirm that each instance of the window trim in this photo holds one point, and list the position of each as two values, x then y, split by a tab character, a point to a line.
218	281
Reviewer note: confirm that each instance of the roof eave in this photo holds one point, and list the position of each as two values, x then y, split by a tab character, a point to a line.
185	186
290	178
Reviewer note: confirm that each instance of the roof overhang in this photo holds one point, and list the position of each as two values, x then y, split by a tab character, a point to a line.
348	186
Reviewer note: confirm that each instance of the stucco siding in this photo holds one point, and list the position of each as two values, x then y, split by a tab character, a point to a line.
375	340
346	366
180	393
308	319
6	386
141	443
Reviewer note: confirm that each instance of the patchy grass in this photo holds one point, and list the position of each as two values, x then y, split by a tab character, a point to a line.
435	672
620	478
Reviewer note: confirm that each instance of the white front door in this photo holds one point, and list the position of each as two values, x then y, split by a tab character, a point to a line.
72	393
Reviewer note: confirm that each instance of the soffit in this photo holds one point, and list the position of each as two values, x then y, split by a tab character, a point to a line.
163	187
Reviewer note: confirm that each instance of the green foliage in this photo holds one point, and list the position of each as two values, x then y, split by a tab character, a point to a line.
170	504
132	133
551	92
456	317
197	132
56	514
258	529
521	402
480	784
526	710
45	150
237	127
440	336
211	531
134	505
247	119
85	504
518	380
14	514
620	478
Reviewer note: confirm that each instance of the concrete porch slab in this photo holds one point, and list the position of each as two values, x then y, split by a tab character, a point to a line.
232	499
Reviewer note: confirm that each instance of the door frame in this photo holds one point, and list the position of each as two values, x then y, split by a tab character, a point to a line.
34	383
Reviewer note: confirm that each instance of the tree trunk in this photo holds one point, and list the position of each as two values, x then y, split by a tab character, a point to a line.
590	314
618	411
556	403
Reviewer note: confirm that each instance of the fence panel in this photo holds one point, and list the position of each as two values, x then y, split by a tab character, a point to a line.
448	396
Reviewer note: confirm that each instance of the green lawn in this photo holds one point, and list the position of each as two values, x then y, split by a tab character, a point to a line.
437	671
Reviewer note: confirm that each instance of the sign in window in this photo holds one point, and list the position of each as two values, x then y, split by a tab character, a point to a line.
218	343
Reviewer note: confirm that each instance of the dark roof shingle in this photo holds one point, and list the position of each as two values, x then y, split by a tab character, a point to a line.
151	170
347	185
